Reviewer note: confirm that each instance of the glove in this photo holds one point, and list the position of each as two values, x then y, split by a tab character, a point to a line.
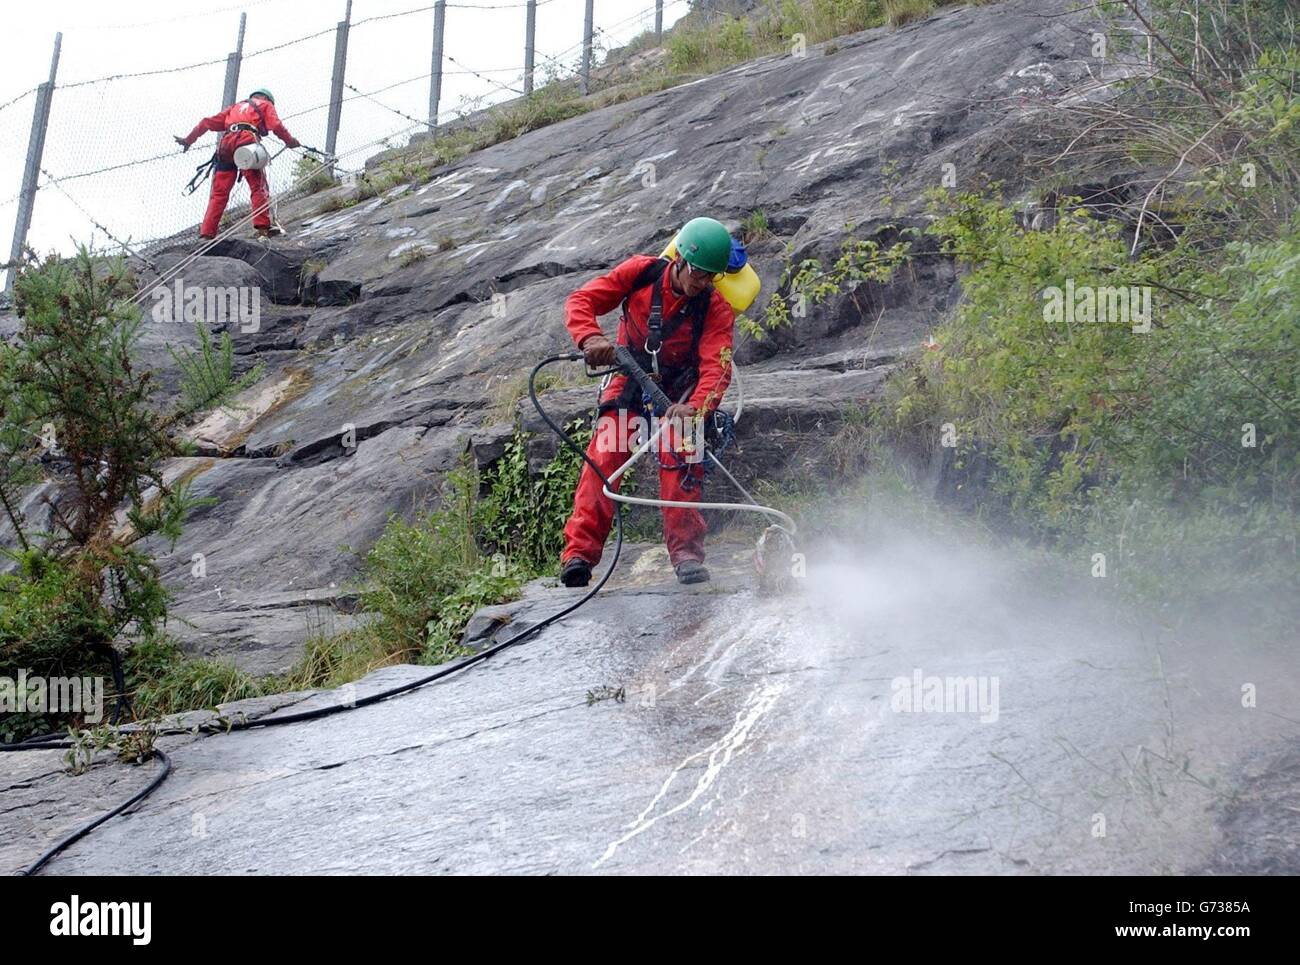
598	351
185	145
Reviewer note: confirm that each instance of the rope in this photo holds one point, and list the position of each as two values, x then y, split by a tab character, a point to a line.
385	106
142	73
104	170
284	117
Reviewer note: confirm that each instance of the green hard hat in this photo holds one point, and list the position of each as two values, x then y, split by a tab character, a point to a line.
264	93
705	244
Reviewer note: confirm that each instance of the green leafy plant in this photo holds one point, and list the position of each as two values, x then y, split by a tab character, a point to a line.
310	175
810	282
755	228
130	746
523	513
78	413
1195	419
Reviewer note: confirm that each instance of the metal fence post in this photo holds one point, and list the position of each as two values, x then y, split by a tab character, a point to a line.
336	84
32	169
230	92
586	50
659	21
530	33
435	72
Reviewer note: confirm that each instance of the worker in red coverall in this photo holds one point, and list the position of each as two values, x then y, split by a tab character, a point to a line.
694	362
245	122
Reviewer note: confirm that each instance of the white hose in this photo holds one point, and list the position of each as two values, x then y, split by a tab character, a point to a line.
786	524
740	391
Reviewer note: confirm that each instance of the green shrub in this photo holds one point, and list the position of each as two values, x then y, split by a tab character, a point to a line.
45	606
755	228
310	175
491	581
707	44
900	12
523	515
860	260
547	105
73	397
1086	422
162	680
414	565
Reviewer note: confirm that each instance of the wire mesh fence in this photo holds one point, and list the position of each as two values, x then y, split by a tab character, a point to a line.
111	174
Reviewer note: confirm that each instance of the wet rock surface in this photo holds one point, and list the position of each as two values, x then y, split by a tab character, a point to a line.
662	729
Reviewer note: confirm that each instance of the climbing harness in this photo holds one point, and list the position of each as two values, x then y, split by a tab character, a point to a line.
658	331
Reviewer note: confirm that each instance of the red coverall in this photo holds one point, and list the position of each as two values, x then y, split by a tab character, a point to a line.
225	175
593	512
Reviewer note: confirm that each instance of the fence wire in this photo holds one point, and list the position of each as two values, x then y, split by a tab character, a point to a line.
112	175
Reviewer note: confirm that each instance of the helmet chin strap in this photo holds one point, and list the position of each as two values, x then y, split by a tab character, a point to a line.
673	277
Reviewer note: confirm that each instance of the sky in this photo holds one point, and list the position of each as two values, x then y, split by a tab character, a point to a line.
126	123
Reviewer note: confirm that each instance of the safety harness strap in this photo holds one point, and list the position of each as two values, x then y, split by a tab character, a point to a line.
676	379
201	173
659	331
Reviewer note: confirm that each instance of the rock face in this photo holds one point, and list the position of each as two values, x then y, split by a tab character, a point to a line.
387	327
662	729
753	736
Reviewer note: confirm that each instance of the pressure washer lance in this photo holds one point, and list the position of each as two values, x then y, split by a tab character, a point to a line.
775	555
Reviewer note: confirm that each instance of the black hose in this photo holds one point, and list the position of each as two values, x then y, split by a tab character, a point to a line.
373	698
495	648
85	829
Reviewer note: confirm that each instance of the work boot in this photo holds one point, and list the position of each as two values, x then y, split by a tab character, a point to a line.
575	572
271	231
691	571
